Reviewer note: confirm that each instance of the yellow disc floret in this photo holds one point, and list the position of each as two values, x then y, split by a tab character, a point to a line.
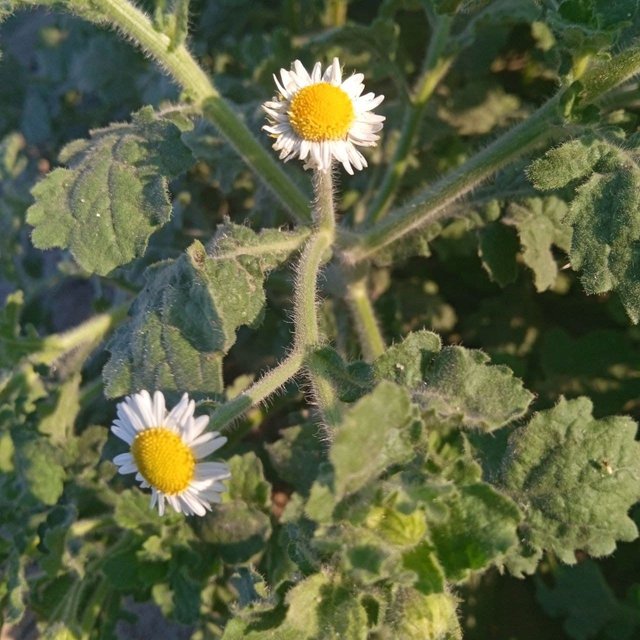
163	460
320	112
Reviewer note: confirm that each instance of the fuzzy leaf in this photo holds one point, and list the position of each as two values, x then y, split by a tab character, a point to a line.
575	478
113	196
455	384
383	420
604	214
418	616
297	455
41	470
185	319
480	527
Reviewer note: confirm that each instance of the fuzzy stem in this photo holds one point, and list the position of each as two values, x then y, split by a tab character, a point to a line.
369	334
305	308
435	68
270	382
184	69
305	313
431	205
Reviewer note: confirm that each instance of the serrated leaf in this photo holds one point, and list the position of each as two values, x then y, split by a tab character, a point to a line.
455	384
58	424
237	531
604	214
383	420
570	161
185	320
480	527
406	362
559	468
113	196
132	511
53	536
541	224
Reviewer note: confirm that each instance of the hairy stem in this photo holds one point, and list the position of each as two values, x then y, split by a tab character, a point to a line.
431	205
435	68
306	315
269	383
183	68
369	334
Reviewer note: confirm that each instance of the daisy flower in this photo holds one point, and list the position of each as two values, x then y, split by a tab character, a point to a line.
318	117
164	449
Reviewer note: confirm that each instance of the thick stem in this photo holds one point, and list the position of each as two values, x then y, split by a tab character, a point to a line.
431	204
435	68
184	69
369	334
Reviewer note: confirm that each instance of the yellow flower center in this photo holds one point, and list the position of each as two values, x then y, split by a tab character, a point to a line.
163	459
321	112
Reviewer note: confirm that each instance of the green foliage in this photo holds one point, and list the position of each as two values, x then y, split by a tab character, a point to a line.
582	597
113	196
603	214
186	317
455	385
558	465
373	475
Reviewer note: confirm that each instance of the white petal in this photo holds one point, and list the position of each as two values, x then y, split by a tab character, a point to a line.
204	449
123	458
159	410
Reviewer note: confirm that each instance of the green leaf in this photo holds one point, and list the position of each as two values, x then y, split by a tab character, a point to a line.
405	363
415	616
582	596
497	248
575	478
604	214
132	511
247	481
297	454
185	320
480	528
113	196
456	385
239	528
383	421
570	161
53	537
322	607
39	467
541	224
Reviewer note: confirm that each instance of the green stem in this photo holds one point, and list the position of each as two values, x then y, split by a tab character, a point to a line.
305	312
431	205
435	68
369	334
180	64
305	308
269	383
